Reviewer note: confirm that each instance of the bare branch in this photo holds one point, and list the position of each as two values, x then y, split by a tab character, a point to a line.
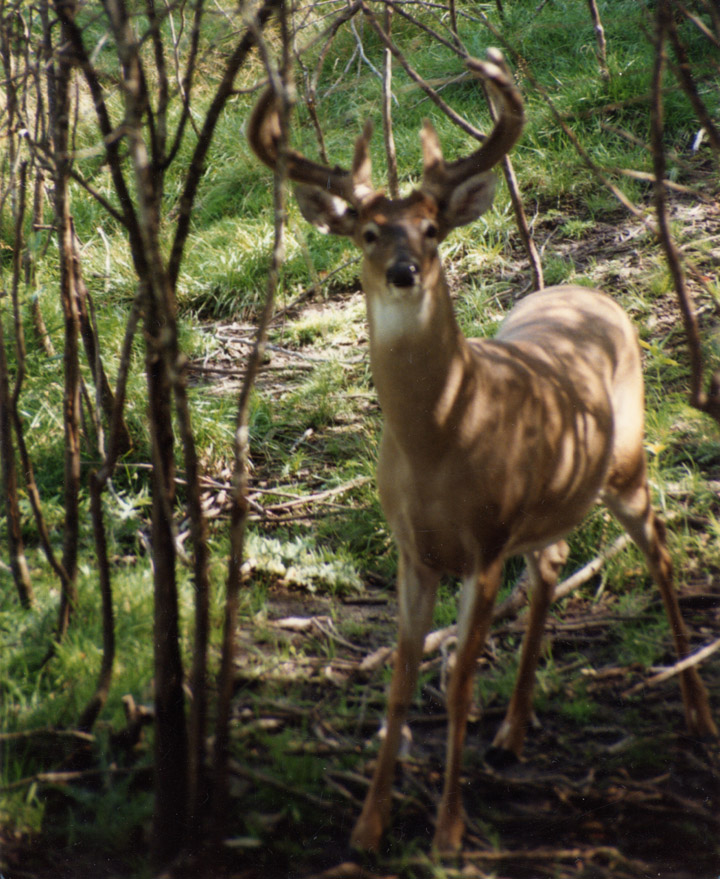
392	170
682	70
706	402
240	504
600	39
197	163
415	76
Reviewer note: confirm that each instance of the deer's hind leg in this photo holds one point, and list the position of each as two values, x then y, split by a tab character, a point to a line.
631	505
544	567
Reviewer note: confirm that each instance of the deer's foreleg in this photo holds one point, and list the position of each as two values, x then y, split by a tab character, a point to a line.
478	597
417	586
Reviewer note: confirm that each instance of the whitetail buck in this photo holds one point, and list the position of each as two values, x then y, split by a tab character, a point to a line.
491	447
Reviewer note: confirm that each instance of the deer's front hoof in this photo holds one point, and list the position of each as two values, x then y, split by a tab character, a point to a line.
448	835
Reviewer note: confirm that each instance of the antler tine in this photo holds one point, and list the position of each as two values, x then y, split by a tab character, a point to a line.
264	137
503	136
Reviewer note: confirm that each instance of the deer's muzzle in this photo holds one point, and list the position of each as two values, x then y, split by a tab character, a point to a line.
403	273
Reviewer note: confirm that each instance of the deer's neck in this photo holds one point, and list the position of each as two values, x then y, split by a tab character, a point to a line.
419	361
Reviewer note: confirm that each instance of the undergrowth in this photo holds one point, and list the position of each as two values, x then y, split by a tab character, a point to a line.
315	424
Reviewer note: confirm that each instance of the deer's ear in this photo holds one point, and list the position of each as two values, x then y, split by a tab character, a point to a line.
325	210
469	199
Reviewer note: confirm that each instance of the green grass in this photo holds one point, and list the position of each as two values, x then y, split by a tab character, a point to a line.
318	428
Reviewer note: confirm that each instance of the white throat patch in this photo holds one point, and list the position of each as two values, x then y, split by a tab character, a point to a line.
398	312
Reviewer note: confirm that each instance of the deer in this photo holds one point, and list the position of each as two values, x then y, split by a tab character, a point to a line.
490	448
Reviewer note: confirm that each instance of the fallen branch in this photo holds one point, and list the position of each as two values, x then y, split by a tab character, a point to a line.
680	666
509	607
69	734
591	568
322	624
59	779
262	778
300	501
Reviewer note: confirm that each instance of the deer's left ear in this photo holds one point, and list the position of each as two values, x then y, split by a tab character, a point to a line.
469	199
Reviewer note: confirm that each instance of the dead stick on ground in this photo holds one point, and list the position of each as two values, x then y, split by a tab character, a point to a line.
262	778
679	667
318	496
517	598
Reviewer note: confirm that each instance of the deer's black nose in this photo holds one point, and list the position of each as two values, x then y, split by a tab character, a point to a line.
403	273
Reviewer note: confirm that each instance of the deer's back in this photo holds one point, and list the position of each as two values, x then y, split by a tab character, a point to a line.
551	408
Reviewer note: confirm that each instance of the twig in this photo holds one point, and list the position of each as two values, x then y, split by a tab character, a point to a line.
682	71
523	226
706	402
680	666
580	854
415	76
318	496
600	39
75	735
638	141
591	568
511	605
521	62
670	184
392	170
311	83
700	24
262	778
361	51
324	625
240	506
62	778
329	510
310	291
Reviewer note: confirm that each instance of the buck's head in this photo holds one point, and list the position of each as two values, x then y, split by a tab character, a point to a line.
399	237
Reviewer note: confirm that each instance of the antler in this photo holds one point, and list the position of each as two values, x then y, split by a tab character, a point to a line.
440	176
355	186
352	186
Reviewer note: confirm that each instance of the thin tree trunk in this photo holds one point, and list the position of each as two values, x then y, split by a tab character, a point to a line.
71	367
18	564
41	330
706	401
240	507
171	766
8	400
97	482
92	350
96	703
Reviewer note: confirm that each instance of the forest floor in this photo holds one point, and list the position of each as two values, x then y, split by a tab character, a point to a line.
609	786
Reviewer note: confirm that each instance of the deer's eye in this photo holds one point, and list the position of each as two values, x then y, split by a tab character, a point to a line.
431	230
370	234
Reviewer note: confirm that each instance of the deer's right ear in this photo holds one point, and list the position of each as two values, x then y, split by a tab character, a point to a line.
326	211
469	199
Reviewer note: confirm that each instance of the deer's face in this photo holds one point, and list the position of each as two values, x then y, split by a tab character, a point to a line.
399	242
399	237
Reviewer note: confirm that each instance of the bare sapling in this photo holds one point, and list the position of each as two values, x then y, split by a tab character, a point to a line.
491	447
